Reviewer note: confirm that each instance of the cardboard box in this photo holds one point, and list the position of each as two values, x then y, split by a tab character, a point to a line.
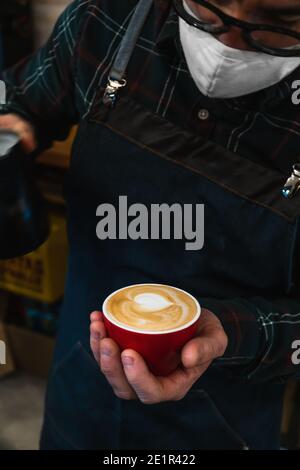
32	352
26	350
39	275
6	359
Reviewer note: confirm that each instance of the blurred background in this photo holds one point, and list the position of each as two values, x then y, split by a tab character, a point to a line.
31	287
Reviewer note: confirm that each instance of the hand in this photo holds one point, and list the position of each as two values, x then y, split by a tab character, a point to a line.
129	376
21	127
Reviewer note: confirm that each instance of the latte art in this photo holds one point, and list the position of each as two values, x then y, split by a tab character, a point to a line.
152	307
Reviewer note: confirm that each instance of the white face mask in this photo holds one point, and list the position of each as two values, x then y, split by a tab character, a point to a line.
220	71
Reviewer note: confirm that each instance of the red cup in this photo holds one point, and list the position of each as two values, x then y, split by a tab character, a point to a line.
161	350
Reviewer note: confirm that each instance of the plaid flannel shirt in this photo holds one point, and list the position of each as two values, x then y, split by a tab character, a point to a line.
55	87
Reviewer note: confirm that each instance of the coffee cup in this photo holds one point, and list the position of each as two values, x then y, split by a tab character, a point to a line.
156	320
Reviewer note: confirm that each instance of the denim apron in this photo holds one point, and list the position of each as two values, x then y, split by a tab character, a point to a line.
131	151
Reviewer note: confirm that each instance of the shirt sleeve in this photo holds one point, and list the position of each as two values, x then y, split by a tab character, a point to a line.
264	337
41	87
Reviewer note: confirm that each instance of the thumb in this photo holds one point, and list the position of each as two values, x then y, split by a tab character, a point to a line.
204	349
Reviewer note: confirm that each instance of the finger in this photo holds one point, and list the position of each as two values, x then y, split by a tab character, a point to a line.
97	332
151	389
24	130
7	121
96	316
26	135
146	386
112	368
28	141
179	383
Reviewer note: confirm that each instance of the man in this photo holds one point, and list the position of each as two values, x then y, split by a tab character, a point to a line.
206	116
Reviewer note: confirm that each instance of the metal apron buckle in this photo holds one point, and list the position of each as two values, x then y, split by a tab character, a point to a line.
292	185
111	90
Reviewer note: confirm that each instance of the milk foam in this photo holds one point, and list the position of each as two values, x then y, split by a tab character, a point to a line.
151	301
152	307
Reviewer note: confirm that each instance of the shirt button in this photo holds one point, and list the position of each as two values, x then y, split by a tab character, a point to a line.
203	114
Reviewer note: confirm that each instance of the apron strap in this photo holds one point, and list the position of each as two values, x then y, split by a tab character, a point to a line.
116	75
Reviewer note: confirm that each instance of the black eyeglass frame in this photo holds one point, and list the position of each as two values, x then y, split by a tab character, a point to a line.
247	28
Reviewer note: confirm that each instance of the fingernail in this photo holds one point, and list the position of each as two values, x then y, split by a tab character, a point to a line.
127	361
105	352
94	316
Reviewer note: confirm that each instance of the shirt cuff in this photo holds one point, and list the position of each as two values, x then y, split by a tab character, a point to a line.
242	327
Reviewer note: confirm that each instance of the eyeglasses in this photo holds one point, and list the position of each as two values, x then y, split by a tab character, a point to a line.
272	40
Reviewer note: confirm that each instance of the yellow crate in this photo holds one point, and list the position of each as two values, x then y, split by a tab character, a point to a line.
41	274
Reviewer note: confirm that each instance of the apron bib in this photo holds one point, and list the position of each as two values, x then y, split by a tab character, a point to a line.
249	248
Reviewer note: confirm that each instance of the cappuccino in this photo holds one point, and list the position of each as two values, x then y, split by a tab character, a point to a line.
152	307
